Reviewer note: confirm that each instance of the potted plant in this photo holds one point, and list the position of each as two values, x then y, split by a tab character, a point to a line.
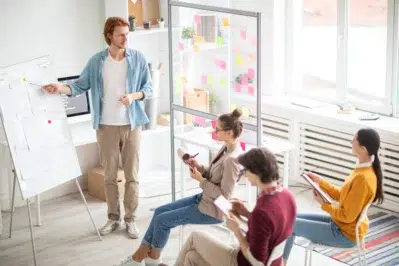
161	22
212	103
132	23
187	35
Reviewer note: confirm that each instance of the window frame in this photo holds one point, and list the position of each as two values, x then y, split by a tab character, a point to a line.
389	104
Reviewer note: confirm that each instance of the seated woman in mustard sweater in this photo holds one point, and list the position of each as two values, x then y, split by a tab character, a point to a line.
362	187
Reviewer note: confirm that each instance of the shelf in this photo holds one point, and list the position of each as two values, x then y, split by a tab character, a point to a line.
153	30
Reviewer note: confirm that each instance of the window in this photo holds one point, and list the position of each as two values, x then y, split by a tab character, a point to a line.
367	49
318	55
345	51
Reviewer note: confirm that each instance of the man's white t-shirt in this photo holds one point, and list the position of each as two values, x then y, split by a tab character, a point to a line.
114	87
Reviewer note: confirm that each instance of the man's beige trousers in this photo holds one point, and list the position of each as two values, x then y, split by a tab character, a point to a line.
112	141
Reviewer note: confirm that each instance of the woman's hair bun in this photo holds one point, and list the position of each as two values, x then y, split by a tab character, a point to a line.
236	113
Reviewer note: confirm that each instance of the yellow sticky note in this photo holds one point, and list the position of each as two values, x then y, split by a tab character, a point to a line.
219	40
25	79
233	106
225	22
245	112
210	80
223	83
196	48
239	60
178	87
184	79
198	39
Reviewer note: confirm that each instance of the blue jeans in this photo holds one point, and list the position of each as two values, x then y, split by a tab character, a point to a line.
168	216
318	228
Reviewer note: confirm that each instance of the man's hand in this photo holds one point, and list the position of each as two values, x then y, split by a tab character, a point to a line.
127	99
52	88
239	208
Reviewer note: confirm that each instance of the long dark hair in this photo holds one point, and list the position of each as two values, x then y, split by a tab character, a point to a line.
261	162
370	139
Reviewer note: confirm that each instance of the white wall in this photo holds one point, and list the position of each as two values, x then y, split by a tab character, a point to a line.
71	31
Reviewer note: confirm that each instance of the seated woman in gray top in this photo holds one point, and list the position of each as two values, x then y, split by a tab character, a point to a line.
217	179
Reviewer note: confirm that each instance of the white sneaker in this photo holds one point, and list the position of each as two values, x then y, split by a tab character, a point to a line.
110	226
132	230
151	262
130	262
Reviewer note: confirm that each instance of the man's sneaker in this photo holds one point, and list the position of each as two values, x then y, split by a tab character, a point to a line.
132	230
130	262
110	226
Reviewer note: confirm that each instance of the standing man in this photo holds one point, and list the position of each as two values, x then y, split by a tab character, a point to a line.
119	80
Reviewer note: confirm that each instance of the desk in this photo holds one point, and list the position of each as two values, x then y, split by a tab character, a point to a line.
202	137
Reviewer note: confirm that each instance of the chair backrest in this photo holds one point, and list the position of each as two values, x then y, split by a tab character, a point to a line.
277	252
362	216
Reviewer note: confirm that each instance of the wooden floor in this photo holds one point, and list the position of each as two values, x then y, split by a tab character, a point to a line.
67	237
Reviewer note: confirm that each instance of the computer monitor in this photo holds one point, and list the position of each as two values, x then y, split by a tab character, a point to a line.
75	106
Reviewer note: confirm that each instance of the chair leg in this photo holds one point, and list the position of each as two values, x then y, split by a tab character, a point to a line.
310	256
306	256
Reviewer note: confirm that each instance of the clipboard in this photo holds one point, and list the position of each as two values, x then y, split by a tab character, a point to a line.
322	194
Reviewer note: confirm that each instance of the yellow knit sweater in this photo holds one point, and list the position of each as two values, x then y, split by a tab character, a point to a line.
358	190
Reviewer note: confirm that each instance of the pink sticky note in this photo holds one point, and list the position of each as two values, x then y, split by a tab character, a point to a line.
237	87
197	19
251	73
244	80
222	64
236	49
181	46
217	62
251	90
213	124
213	135
185	87
199	120
204	79
243	34
242	144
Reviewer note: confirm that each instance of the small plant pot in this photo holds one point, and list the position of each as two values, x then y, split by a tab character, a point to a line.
212	109
132	25
161	24
187	42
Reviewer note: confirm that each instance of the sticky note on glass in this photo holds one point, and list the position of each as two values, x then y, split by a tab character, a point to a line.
251	90
233	106
252	40
252	57
210	80
196	48
236	49
245	112
244	80
251	73
242	144
178	87
219	40
237	87
239	60
197	19
223	83
225	22
243	34
199	39
204	79
213	135
181	46
200	121
222	64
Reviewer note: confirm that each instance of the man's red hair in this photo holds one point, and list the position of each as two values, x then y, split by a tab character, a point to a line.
110	25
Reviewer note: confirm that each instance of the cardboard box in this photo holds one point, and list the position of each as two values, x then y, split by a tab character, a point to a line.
197	100
96	183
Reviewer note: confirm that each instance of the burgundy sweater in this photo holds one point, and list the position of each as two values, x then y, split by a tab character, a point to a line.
270	223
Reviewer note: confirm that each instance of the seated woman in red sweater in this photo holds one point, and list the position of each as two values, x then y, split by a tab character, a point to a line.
270	223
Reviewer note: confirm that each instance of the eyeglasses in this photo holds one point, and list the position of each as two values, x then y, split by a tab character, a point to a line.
241	174
220	129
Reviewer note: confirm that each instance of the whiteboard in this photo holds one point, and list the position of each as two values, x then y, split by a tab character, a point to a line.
36	127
